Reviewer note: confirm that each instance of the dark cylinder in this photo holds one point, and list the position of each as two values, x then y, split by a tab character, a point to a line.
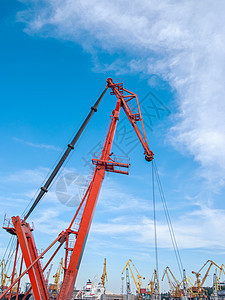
44	189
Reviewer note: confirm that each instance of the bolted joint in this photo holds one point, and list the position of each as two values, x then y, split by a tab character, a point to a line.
149	157
44	189
94	108
71	146
109	81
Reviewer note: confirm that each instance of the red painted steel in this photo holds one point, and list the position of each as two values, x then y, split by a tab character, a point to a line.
73	267
88	204
61	238
101	166
29	251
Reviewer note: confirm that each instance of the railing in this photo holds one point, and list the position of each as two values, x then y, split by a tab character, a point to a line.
116	163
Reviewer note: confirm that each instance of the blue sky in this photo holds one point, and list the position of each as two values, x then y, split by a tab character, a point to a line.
55	59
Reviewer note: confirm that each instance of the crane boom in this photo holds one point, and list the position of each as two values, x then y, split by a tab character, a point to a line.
137	284
153	285
199	283
70	147
207	272
174	286
104	275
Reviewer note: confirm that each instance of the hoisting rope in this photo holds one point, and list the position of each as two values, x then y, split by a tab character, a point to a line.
155	227
10	249
168	219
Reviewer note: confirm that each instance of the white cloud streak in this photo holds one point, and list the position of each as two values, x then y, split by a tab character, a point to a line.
39	146
200	228
179	41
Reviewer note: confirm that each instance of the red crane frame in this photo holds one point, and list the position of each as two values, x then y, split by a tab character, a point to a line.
73	255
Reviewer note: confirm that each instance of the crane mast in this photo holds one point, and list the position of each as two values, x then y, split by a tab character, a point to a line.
105	162
137	283
4	275
175	289
104	275
153	286
199	283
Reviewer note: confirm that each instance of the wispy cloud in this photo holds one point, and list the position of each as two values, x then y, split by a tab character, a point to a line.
40	146
179	41
128	217
26	176
200	228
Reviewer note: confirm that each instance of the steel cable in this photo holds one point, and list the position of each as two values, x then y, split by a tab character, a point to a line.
154	215
169	223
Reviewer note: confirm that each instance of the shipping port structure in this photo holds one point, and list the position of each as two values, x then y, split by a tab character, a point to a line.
74	237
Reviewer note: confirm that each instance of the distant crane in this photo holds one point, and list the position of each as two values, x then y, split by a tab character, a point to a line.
153	286
104	275
4	275
128	290
54	288
184	282
216	286
48	274
137	282
200	283
175	289
221	271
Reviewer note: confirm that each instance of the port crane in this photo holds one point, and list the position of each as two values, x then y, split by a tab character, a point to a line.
153	285
4	275
104	275
56	286
175	285
137	282
221	271
106	162
199	291
128	289
48	274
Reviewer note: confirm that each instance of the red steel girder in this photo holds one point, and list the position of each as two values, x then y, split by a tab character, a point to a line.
105	163
76	256
29	251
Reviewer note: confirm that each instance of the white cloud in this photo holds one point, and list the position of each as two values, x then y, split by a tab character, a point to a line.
200	228
126	215
40	146
180	41
26	176
114	198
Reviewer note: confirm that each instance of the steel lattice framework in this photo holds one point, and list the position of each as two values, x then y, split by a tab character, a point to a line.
128	101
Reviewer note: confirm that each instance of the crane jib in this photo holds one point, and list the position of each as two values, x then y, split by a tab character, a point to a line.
107	162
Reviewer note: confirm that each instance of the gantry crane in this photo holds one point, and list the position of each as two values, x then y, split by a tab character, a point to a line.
191	288
175	285
128	289
54	288
48	274
221	271
153	285
104	275
4	275
127	282
199	283
137	282
216	286
106	162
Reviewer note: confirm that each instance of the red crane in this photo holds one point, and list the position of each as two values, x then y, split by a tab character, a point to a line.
85	211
